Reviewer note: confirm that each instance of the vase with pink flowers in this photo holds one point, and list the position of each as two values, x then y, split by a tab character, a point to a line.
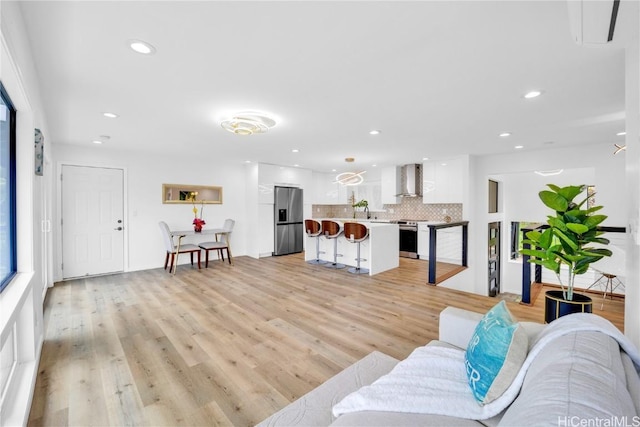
198	222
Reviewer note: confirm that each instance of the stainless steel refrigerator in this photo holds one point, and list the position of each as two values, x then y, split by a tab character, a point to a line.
288	218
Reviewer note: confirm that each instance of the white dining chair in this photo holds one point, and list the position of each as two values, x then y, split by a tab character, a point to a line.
174	250
221	244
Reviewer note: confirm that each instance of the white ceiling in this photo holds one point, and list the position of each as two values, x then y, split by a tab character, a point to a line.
437	78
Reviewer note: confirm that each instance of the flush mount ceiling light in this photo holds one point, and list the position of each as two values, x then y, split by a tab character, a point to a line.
248	123
550	172
623	133
142	47
374	132
110	115
505	134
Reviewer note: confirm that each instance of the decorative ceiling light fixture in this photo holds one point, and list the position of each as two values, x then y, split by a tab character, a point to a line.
350	178
248	123
619	148
550	172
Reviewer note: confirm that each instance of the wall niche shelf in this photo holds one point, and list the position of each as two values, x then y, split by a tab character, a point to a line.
190	194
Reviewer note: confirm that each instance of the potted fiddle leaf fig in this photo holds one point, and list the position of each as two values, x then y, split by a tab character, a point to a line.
568	241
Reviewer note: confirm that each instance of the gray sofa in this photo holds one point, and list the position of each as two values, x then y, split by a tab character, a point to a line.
559	388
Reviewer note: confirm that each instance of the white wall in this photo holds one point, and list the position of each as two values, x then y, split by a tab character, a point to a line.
21	322
144	175
632	193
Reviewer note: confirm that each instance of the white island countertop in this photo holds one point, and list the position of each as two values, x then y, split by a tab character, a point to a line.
380	250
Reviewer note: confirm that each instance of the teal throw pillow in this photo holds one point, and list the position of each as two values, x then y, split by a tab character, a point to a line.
495	354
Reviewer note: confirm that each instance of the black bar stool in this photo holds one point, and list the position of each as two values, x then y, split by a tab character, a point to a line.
314	229
356	233
332	230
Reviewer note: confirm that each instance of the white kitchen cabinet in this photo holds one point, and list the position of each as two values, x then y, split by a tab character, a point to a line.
443	181
325	190
390	185
371	192
423	241
272	175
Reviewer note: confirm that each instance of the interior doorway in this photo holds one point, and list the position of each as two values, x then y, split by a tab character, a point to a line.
92	221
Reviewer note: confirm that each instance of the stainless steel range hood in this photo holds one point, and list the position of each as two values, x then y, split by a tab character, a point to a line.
410	181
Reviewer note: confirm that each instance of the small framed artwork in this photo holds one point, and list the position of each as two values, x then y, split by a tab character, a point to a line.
39	152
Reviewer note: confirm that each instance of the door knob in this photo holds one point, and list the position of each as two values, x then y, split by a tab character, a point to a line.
118	228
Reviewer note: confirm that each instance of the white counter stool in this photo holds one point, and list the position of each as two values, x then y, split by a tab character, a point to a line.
356	233
332	230
314	229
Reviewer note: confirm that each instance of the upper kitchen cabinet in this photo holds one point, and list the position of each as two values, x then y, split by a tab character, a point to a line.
390	185
326	191
371	192
273	175
443	180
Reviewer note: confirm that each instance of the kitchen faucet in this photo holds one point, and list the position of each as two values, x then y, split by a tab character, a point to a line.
366	209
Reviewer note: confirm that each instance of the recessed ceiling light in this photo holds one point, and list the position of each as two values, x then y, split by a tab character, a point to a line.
549	172
295	150
333	170
444	164
110	115
296	165
374	132
373	166
101	139
621	133
505	134
533	94
517	147
425	158
142	47
247	161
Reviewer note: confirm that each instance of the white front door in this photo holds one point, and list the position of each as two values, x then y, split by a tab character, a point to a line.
92	221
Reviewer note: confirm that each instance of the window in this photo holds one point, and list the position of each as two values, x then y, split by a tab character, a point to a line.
517	236
8	262
493	196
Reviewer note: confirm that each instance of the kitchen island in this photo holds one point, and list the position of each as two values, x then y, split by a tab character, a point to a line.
380	250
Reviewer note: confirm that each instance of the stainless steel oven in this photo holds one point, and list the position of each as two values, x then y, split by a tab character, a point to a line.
408	238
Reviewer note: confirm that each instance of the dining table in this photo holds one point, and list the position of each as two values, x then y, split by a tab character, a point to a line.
180	234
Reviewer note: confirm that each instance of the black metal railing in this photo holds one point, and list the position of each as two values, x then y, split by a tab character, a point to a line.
526	265
433	245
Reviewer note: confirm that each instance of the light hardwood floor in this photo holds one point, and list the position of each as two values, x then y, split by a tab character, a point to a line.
228	345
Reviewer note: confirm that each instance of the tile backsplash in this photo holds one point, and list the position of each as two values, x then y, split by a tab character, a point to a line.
410	208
